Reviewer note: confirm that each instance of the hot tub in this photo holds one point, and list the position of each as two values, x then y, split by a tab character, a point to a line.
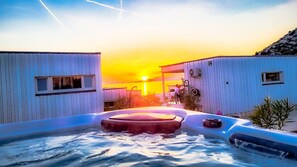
142	123
70	141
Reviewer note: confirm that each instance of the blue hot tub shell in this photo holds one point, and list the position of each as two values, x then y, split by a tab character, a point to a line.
233	130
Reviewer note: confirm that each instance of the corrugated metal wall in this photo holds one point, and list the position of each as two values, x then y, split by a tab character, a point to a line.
18	101
207	84
234	84
112	94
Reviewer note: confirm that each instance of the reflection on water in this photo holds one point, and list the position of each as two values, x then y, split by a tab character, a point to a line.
144	88
97	148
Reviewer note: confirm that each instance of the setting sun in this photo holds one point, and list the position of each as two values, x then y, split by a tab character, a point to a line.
144	78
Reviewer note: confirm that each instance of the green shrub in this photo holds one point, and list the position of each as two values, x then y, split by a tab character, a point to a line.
191	102
263	115
272	114
281	110
137	101
152	100
121	103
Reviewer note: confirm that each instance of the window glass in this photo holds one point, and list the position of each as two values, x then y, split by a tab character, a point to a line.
270	77
41	84
76	82
56	83
88	81
66	82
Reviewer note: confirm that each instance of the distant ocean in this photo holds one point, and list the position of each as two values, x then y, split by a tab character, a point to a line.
147	87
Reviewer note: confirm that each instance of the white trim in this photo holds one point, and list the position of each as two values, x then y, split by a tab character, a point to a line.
82	81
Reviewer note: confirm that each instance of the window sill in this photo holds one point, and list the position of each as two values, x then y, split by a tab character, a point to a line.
64	92
272	83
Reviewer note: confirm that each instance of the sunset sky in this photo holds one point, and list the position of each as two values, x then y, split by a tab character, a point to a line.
135	37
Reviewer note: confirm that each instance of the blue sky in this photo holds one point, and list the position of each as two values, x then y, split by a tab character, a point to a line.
243	5
147	33
29	8
13	10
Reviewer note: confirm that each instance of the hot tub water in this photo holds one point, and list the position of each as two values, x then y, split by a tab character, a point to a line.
96	148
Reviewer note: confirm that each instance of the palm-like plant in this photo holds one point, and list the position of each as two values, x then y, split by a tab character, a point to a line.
272	114
281	110
263	115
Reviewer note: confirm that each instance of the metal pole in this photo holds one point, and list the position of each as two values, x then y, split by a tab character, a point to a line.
163	86
130	95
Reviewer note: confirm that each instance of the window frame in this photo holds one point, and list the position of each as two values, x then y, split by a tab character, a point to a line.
51	91
264	76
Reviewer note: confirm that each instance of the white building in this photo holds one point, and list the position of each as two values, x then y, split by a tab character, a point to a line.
43	85
234	84
110	95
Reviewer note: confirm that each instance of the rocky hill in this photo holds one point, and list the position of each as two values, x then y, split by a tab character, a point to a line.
287	45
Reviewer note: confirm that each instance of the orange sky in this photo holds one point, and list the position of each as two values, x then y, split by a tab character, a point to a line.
131	63
147	34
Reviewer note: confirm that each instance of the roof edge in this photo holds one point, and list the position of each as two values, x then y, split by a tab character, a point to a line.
49	52
218	57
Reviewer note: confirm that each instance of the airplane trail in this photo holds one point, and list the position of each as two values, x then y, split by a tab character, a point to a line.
104	5
52	14
121	12
114	8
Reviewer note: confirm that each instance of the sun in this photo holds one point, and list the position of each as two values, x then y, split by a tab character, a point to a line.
144	78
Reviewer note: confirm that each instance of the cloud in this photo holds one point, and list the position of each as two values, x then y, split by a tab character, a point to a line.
190	23
178	31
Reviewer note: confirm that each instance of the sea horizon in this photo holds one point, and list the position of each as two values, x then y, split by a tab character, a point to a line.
146	87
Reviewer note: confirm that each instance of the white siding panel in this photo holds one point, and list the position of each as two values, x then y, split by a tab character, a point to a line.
18	101
111	95
4	79
17	86
244	89
2	91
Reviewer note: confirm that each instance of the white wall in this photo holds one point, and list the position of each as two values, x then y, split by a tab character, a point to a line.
112	94
244	89
18	70
207	84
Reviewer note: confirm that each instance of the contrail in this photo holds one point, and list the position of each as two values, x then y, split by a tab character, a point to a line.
116	9
104	5
121	12
53	15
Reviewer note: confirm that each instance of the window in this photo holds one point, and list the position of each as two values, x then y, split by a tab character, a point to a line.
47	85
269	78
66	82
41	84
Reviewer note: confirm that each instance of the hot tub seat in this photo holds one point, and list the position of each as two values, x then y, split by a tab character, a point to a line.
142	122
